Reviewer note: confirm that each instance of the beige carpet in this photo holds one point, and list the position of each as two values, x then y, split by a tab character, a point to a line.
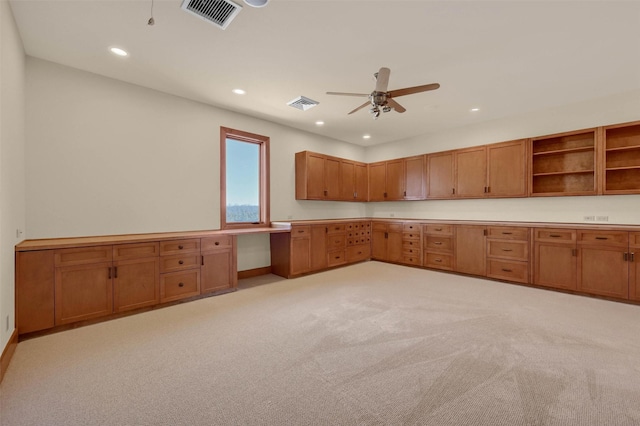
370	344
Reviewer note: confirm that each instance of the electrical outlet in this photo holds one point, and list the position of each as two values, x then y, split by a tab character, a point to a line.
589	218
7	326
602	218
18	233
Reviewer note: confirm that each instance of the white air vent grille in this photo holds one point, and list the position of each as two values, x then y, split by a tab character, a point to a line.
302	103
218	12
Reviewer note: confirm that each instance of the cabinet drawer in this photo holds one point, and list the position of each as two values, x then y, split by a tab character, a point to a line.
336	228
179	246
135	251
556	235
439	243
395	227
411	227
179	262
411	236
505	233
300	231
610	238
410	259
634	239
508	249
336	258
217	242
414	245
358	241
179	285
438	261
358	253
438	229
379	226
335	241
83	255
411	251
508	270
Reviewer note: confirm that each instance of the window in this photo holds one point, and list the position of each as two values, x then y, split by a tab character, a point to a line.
244	179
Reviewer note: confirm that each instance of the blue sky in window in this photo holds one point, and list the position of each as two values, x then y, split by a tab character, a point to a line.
243	166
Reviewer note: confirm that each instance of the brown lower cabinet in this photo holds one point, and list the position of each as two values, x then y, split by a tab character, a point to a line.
556	258
387	241
470	249
62	286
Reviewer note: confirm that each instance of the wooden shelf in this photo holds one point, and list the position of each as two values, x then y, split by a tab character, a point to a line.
623	168
568	172
563	151
623	148
622	159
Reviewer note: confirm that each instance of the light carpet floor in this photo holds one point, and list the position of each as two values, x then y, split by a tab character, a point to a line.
369	344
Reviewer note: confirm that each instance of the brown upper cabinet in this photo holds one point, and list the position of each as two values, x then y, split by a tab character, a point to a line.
622	159
497	170
564	164
400	179
322	177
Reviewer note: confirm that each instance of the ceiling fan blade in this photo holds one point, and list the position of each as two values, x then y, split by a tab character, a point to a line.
393	104
360	107
347	94
411	90
382	79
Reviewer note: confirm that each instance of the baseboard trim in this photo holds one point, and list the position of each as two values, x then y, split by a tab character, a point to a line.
7	353
250	273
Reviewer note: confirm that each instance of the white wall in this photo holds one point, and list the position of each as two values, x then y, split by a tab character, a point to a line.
621	209
12	178
107	157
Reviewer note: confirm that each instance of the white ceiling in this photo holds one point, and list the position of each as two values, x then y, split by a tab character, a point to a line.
504	57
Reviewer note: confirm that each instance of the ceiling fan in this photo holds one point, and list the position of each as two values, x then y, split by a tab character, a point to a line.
382	100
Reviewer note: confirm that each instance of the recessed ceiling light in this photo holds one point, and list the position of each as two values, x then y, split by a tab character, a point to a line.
319	123
239	91
118	51
475	109
366	137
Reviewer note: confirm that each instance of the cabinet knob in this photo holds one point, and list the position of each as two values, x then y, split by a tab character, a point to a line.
438	243
180	247
439	260
181	262
602	238
180	284
507	249
217	243
507	270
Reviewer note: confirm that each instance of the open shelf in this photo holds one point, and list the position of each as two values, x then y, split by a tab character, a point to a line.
622	159
564	164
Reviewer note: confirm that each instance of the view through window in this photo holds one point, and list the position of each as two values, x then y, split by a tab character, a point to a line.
244	176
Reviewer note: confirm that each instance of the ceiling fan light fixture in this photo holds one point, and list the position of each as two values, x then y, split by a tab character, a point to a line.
256	3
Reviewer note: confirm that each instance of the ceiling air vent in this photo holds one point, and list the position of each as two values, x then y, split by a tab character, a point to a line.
302	103
219	12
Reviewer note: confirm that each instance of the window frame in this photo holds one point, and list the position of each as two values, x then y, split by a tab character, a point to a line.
264	198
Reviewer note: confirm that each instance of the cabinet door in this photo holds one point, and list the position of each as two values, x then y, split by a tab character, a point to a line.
83	292
361	182
379	243
603	271
332	179
440	172
634	275
394	244
136	283
414	178
507	165
470	250
395	180
377	181
216	271
34	291
300	255
315	177
318	249
471	172
555	265
347	180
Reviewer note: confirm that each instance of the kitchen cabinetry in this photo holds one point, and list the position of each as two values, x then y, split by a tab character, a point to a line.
354	181
603	263
634	266
387	241
440	171
336	244
35	295
218	270
622	159
564	164
411	244
470	172
470	249
438	246
508	253
317	176
507	169
179	269
555	258
400	179
358	241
